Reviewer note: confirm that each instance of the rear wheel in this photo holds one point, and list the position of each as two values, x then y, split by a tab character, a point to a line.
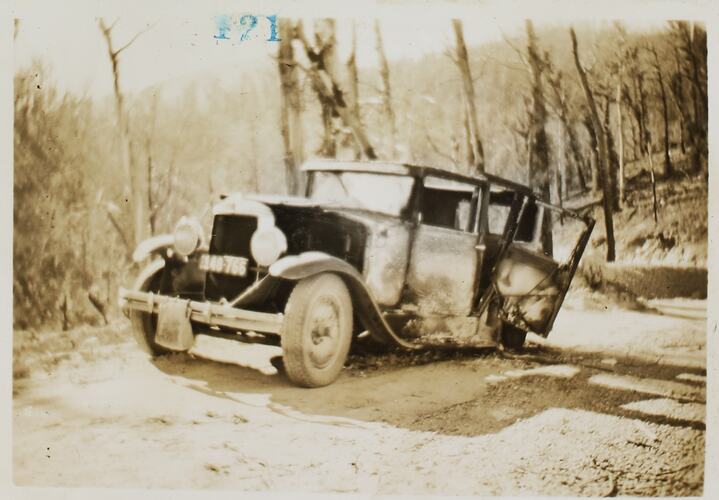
512	337
144	325
317	330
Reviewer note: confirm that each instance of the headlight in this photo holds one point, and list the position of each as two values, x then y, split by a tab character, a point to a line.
267	245
188	235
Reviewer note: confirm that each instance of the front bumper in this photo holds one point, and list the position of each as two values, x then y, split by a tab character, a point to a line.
209	313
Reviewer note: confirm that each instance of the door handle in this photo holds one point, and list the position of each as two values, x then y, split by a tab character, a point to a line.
482	247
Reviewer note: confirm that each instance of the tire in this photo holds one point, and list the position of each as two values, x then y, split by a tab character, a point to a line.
512	337
144	325
317	330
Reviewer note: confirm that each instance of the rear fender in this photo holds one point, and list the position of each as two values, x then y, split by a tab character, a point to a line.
308	264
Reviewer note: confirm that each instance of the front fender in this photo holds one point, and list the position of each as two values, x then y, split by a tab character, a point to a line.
152	245
304	265
147	273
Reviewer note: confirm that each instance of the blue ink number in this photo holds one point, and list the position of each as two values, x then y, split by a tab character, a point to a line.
273	28
224	25
243	21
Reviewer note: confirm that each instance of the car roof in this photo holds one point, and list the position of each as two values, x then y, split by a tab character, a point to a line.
399	168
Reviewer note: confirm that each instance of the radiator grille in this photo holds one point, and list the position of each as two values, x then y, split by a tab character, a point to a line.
230	236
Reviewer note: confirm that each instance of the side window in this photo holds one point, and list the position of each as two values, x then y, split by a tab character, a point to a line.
528	219
500	203
529	226
448	204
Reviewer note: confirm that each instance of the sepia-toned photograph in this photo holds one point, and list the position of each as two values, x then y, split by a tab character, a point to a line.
418	248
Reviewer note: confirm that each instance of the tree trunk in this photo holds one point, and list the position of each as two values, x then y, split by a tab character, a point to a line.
698	132
326	85
386	90
325	42
644	135
677	93
620	137
475	154
668	168
594	148
602	142
135	191
539	170
555	82
634	127
290	108
353	92
612	158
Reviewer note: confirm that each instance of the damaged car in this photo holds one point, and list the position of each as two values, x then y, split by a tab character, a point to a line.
406	256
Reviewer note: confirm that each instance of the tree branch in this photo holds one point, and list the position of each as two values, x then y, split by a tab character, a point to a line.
135	37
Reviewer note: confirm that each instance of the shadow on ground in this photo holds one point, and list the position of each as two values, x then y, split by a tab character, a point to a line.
460	392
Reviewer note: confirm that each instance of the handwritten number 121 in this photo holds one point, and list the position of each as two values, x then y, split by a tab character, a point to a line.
248	22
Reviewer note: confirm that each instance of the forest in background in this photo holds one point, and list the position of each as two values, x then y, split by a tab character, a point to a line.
583	124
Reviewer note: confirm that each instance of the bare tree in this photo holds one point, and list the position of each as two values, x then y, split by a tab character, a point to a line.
290	108
325	47
539	170
353	91
636	98
136	190
603	165
620	55
676	88
668	168
691	40
475	153
386	88
158	192
326	83
554	78
612	156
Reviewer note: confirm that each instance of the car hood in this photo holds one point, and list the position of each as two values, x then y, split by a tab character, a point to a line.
371	220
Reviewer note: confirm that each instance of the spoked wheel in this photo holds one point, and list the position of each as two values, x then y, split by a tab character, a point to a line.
317	330
512	337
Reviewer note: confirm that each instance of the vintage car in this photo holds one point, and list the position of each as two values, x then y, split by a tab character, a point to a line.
403	255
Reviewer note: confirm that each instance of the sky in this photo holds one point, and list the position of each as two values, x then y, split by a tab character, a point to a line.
179	41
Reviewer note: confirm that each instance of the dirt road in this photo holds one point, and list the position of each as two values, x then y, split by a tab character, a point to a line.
549	421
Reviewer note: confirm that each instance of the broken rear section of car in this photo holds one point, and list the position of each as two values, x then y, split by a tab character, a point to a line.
406	256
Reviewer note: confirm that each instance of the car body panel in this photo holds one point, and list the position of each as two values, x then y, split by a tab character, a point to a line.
297	267
531	284
442	269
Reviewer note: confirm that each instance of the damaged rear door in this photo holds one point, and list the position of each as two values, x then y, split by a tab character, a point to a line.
532	273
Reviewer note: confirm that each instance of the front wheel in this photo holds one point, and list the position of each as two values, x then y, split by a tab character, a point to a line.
512	337
144	325
317	330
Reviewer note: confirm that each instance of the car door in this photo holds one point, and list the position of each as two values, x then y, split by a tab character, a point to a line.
532	275
443	258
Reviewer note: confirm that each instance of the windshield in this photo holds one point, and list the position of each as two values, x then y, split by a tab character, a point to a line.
387	194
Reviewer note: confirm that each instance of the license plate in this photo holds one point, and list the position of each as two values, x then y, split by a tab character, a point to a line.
224	264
